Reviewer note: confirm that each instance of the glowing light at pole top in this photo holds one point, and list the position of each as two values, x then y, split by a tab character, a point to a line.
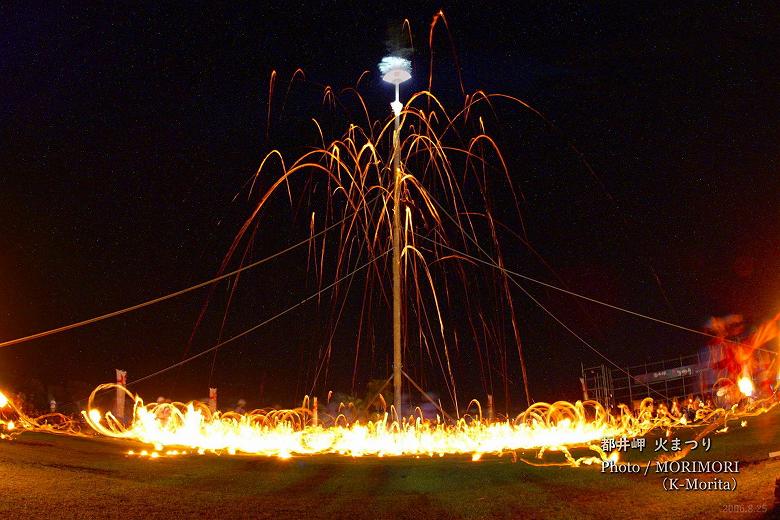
395	70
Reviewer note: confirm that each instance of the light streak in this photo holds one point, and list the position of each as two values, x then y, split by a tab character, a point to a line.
14	421
561	427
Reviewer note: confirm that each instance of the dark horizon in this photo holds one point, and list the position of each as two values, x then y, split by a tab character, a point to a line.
128	134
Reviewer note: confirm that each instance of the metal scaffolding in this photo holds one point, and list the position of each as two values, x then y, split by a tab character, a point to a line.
675	378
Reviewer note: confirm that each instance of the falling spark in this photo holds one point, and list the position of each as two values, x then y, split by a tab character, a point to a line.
447	177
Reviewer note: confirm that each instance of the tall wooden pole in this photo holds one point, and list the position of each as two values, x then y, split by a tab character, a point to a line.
397	259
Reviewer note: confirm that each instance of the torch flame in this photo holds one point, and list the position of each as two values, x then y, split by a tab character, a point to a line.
746	386
94	415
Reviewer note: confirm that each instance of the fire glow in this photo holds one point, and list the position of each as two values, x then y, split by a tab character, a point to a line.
437	158
746	386
561	433
558	427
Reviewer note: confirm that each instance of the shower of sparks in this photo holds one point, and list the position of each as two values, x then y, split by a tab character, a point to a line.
450	167
451	171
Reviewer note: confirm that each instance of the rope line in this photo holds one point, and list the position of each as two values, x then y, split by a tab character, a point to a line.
253	328
264	322
540	305
588	298
169	296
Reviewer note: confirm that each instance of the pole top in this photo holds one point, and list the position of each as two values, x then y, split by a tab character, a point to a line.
395	70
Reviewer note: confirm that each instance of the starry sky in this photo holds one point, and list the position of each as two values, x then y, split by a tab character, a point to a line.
127	133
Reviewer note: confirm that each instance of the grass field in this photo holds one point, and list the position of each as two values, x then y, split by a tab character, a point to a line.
65	477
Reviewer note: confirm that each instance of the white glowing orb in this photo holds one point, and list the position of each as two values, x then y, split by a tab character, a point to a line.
395	70
94	415
745	386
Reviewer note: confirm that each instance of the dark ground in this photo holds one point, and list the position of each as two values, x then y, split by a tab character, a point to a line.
65	477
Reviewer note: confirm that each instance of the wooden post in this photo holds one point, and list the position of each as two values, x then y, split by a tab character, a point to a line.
121	381
213	399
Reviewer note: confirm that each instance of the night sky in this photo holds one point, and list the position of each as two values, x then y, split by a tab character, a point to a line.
126	134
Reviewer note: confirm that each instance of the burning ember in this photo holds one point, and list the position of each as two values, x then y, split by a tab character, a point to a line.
746	386
52	422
